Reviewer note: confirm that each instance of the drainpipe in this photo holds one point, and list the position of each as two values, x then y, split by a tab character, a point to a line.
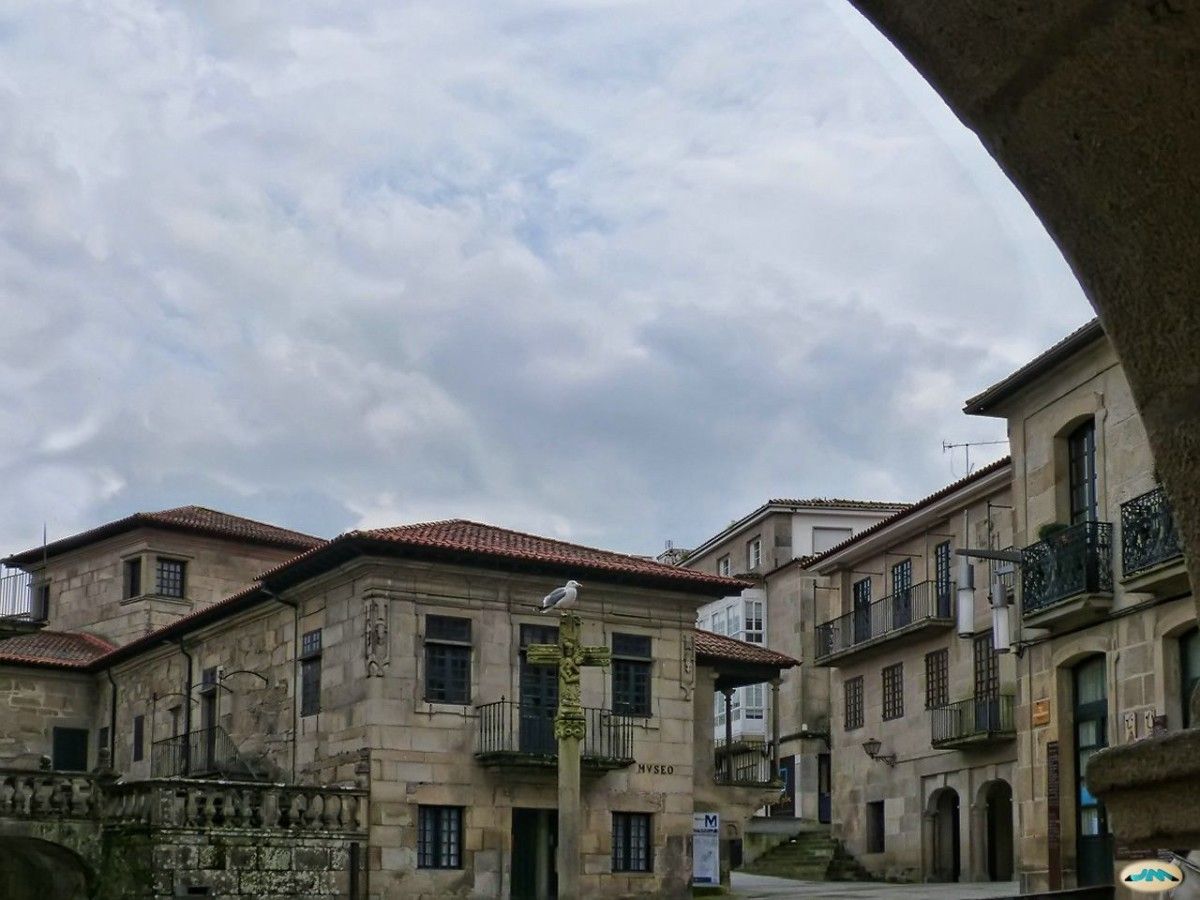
112	721
187	712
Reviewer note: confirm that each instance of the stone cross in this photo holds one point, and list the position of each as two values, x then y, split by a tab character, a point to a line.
570	728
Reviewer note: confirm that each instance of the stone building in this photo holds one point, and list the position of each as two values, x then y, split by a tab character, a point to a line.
369	694
923	735
1105	634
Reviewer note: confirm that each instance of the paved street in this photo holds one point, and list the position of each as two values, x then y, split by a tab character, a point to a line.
753	887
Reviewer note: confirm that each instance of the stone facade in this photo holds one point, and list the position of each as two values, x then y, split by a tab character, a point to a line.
1126	624
934	804
33	702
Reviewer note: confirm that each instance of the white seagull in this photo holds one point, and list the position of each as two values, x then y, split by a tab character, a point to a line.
560	598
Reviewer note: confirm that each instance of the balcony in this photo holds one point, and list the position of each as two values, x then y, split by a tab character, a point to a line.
1151	555
204	752
903	617
1067	579
745	764
523	736
974	723
24	603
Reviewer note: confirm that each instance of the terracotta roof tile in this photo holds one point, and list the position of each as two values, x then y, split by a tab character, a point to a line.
197	519
719	648
838	503
71	649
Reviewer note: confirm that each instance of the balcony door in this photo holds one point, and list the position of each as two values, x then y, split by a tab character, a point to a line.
862	610
538	694
1081	467
902	593
1093	842
987	684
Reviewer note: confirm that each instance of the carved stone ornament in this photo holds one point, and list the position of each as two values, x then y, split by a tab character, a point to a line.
378	647
569	655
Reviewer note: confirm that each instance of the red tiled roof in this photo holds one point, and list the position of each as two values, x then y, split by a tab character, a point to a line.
982	402
197	519
838	503
914	508
70	649
713	647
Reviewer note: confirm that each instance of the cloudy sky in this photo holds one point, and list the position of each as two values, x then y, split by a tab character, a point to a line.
610	271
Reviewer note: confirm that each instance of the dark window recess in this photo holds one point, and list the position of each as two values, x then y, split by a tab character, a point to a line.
70	749
102	738
987	671
447	659
1189	658
875	827
169	577
631	842
133	578
439	837
139	737
1081	469
893	691
310	673
937	678
941	576
631	674
853	688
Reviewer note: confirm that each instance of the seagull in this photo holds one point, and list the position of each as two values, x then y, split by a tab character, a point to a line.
560	598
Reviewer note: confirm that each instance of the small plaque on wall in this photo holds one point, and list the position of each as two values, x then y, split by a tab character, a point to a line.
1041	712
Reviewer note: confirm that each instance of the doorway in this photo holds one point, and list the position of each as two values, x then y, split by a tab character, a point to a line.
538	695
945	856
1093	847
998	830
786	806
824	777
534	841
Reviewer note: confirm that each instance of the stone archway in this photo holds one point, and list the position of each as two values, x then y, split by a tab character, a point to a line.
995	829
943	835
34	869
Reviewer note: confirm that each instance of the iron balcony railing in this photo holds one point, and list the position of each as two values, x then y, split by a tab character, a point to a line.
206	751
507	727
973	719
744	764
926	601
1148	533
22	596
1076	560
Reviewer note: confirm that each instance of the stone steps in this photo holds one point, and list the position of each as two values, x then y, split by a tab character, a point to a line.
810	856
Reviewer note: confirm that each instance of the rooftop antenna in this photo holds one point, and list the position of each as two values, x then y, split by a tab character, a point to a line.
967	445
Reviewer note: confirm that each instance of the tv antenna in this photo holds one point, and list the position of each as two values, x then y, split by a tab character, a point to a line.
947	446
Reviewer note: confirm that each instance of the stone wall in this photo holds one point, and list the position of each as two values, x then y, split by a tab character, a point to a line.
33	701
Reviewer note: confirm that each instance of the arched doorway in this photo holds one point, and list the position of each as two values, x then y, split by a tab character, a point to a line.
944	858
33	869
996	797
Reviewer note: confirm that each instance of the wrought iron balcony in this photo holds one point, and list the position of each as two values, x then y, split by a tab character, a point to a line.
745	764
522	735
24	601
974	722
206	751
1074	562
925	606
1148	534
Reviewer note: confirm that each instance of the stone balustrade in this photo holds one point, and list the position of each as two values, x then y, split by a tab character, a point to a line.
197	803
42	794
181	803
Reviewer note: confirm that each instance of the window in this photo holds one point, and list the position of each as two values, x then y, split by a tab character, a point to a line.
902	593
723	565
310	673
941	577
893	691
447	659
756	703
631	842
1081	470
169	577
1189	665
827	538
631	674
753	554
719	708
854	702
987	672
875	827
139	738
133	578
70	749
937	671
754	622
439	837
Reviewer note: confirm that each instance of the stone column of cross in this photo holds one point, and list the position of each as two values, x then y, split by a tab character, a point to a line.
570	729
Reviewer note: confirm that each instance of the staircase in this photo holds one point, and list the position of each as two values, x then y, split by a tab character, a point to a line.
810	856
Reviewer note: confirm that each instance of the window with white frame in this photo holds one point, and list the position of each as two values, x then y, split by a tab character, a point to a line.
755	701
732	626
754	632
723	565
719	708
735	705
753	554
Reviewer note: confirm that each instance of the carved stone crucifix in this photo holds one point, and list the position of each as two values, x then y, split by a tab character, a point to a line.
570	729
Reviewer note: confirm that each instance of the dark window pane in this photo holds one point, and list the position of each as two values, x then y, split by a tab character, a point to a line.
439	837
987	672
169	577
310	686
1081	469
631	687
133	578
70	749
631	842
937	671
1189	658
310	643
448	628
139	737
447	673
633	645
854	702
893	691
538	634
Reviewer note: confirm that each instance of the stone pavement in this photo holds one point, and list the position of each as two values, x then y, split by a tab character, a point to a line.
754	887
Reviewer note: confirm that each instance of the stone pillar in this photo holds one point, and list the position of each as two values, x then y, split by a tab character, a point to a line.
775	729
570	815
